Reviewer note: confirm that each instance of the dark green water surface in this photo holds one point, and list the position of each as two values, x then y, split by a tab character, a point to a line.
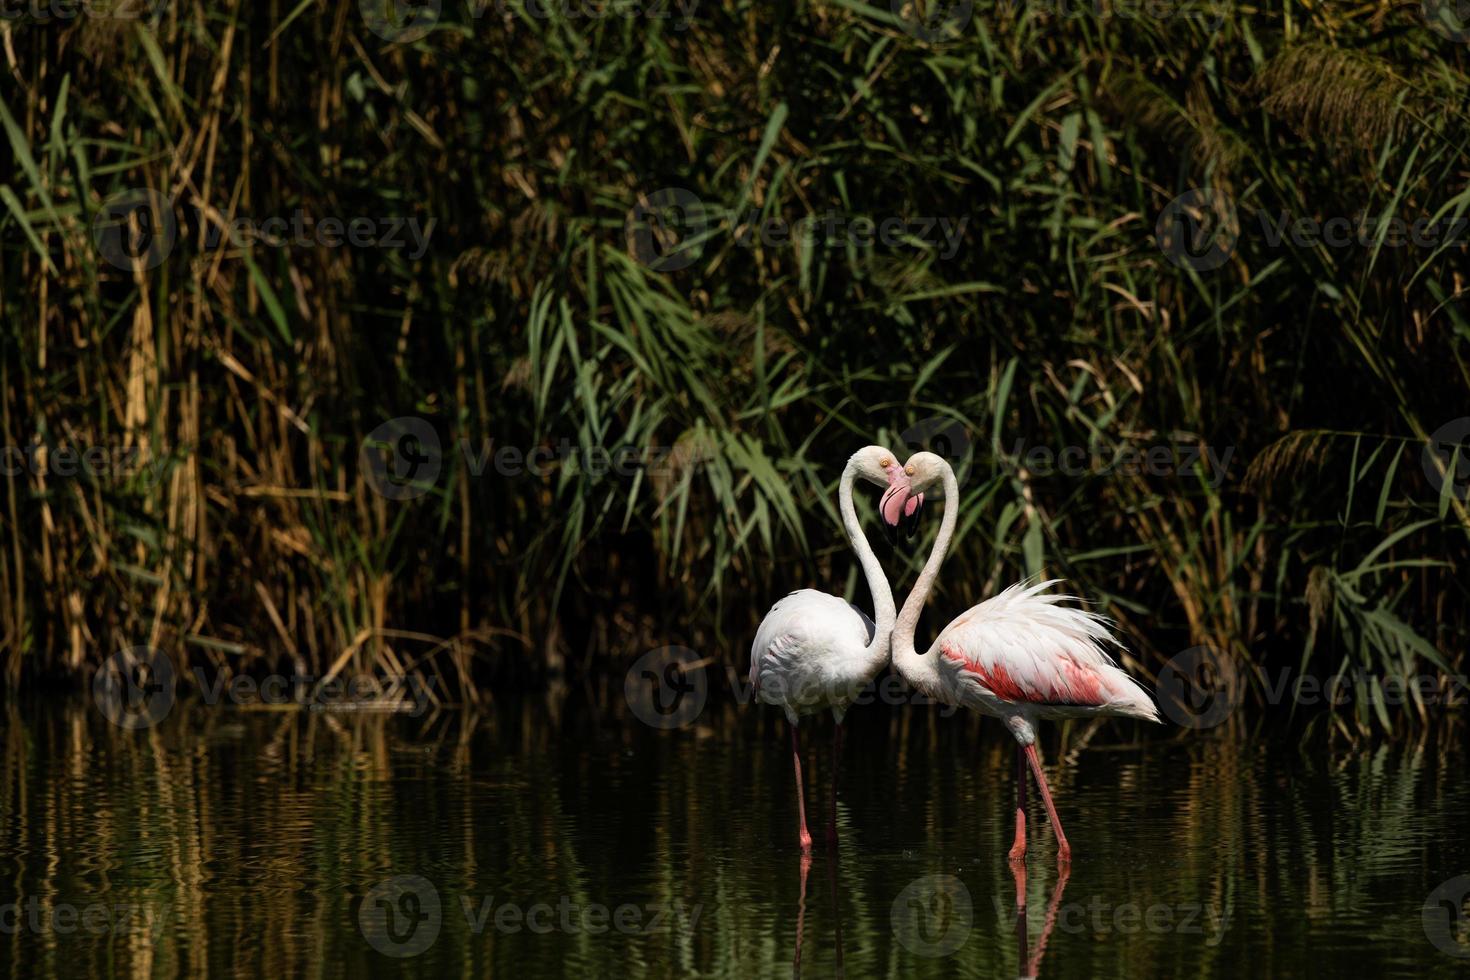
537	840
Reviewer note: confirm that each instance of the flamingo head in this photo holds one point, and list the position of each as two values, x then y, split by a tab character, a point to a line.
904	501
925	469
881	467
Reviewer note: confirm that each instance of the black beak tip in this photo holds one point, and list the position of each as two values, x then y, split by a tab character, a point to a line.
911	525
890	533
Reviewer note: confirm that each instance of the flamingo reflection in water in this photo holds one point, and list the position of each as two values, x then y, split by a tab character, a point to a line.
806	866
1029	957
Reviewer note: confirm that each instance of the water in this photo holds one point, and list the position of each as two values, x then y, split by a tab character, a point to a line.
543	840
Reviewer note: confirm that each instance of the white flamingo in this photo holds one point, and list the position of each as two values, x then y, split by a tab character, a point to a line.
814	650
1017	656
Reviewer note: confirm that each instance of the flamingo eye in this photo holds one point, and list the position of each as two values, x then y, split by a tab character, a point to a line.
909	470
886	463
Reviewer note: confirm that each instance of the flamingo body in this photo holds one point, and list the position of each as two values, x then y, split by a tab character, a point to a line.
812	652
1020	656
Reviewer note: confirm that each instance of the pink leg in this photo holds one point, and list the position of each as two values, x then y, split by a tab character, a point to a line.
1064	850
1018	849
805	838
836	770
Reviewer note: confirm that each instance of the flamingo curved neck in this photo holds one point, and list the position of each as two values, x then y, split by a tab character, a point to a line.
921	669
883	608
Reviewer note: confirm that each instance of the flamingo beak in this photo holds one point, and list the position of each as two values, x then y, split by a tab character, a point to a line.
897	504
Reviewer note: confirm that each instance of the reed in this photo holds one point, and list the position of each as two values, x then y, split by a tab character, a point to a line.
237	380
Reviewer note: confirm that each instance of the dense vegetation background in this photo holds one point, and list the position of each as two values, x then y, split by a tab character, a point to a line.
612	265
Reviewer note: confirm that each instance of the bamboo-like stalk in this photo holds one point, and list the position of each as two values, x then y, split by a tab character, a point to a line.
246	376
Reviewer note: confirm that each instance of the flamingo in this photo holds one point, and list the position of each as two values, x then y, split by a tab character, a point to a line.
1017	656
816	651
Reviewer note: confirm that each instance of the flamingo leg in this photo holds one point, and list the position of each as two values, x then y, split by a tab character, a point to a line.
804	837
1064	850
1018	849
836	771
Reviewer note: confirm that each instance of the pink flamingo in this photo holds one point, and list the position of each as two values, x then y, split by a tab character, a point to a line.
1017	656
815	651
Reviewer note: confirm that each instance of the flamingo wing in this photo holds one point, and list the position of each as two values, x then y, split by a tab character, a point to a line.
1023	648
